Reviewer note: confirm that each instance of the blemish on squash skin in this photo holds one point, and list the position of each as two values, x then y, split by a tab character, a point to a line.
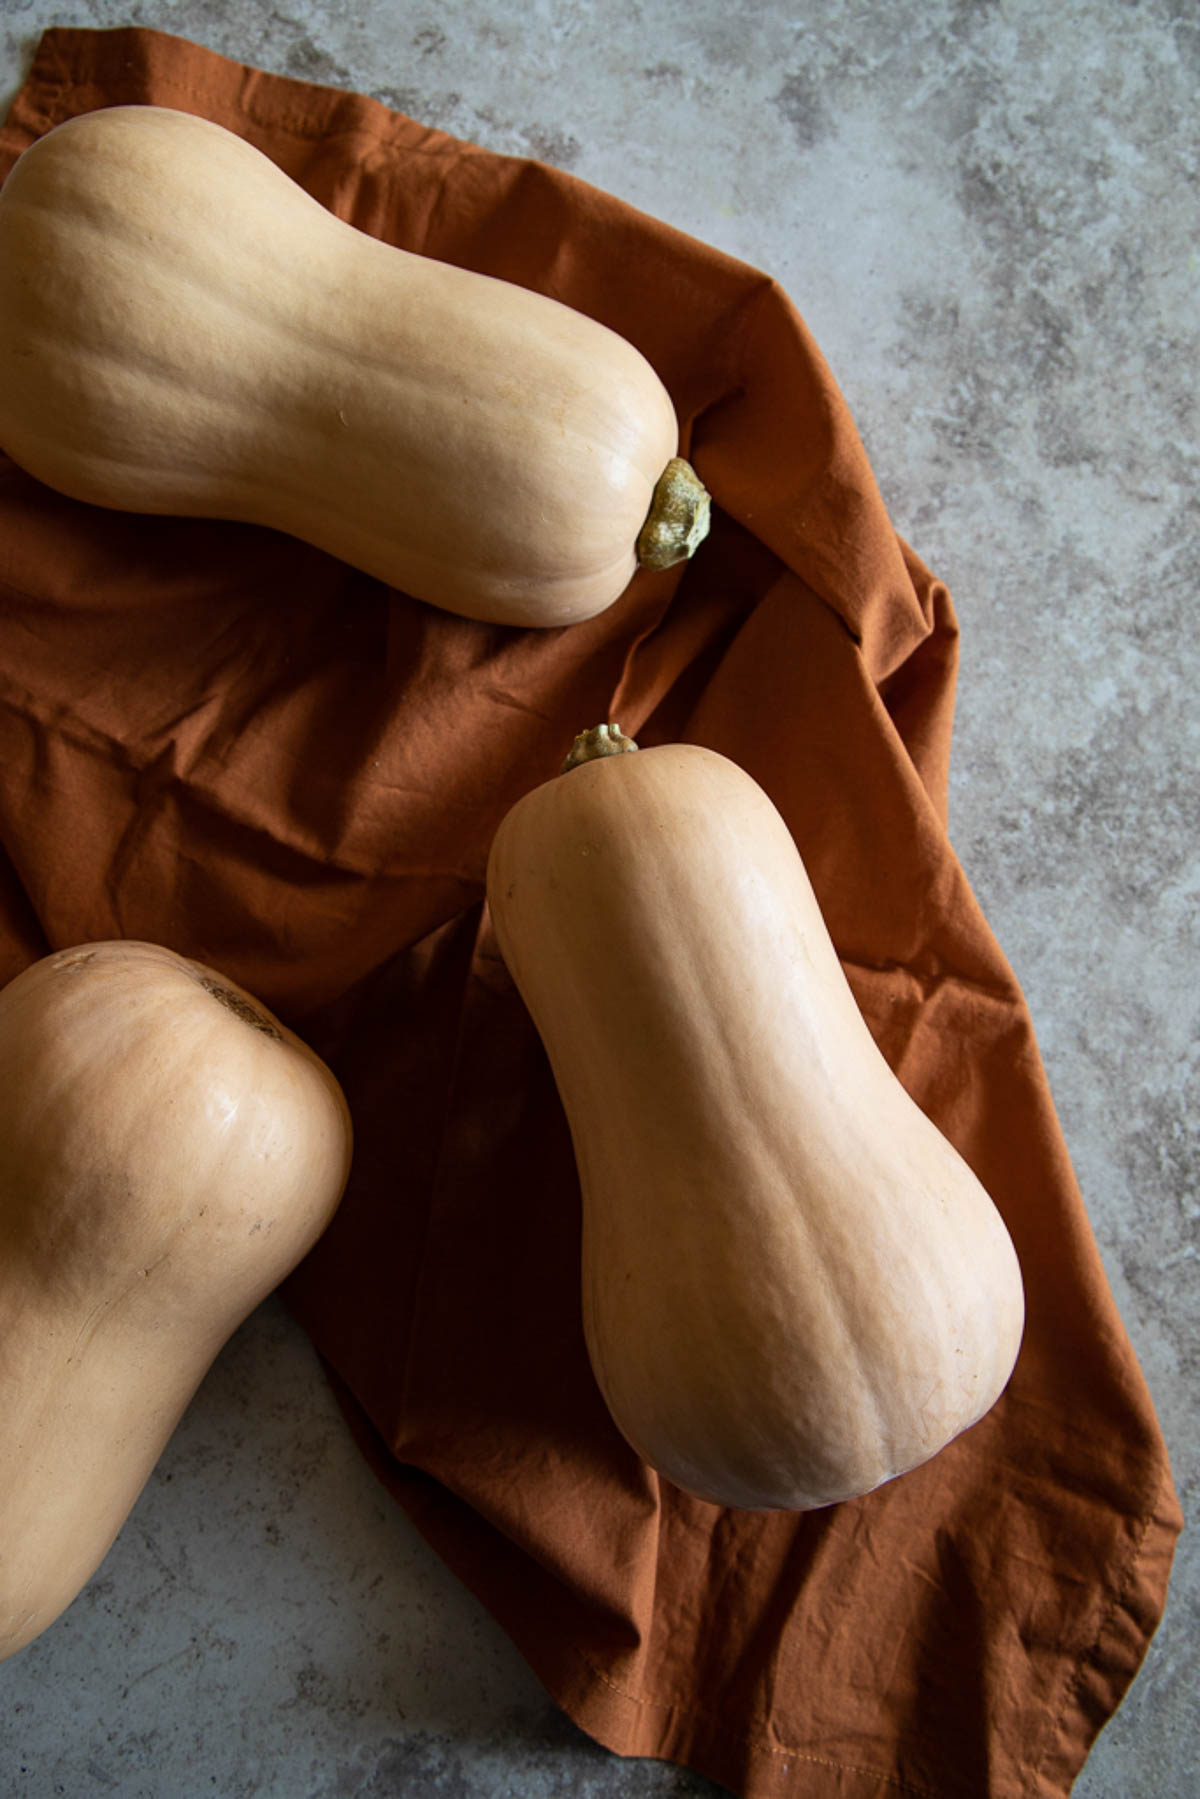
240	1007
75	958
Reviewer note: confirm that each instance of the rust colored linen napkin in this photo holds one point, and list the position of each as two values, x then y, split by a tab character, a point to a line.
219	738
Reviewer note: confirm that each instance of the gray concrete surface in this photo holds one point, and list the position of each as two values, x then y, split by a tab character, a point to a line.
987	214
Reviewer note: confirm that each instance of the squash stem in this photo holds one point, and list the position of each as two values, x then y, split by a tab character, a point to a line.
601	740
678	520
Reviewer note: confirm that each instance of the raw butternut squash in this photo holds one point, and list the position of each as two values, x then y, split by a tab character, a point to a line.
183	329
794	1288
168	1152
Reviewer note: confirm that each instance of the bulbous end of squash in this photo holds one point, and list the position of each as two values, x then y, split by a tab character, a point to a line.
600	740
678	520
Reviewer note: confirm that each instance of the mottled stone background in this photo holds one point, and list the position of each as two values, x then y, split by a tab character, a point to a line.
987	212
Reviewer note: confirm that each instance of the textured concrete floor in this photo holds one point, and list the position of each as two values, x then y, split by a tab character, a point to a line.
987	213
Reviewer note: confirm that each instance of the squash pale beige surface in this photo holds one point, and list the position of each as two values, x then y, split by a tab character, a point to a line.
183	329
168	1152
794	1288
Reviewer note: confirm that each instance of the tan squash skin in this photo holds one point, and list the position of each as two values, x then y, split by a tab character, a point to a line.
184	330
794	1288
167	1155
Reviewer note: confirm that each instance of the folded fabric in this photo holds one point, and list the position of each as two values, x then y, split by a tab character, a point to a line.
221	739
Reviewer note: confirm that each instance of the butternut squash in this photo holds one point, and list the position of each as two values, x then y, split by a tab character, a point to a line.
793	1287
183	329
168	1152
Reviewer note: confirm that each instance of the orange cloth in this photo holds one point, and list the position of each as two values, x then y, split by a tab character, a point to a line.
221	739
